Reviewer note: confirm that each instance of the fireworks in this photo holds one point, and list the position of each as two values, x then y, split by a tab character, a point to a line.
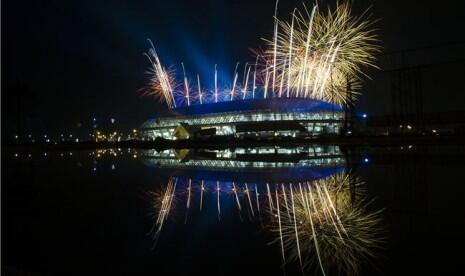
321	54
318	55
162	81
327	226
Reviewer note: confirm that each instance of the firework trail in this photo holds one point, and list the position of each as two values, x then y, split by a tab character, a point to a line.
216	85
234	82
162	81
200	90
254	78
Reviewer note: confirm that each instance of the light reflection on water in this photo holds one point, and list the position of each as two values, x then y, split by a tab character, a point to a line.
60	206
315	211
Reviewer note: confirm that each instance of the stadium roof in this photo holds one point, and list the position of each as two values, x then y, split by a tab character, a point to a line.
272	104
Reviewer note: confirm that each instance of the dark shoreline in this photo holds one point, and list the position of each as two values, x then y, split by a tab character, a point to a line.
160	144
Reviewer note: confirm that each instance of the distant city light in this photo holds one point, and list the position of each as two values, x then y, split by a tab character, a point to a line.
16	137
364	115
113	120
366	160
409	127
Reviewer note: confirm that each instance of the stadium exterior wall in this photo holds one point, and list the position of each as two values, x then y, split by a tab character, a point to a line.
247	118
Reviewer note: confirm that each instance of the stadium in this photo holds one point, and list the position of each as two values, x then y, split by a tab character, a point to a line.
258	118
296	87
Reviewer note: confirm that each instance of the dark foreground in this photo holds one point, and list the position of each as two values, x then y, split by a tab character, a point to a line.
80	214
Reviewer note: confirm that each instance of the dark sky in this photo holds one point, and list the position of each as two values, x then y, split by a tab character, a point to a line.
64	62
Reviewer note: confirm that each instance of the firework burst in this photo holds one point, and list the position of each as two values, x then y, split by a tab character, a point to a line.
321	55
162	81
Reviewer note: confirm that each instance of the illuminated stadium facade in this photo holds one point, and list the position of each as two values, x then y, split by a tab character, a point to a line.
253	165
262	118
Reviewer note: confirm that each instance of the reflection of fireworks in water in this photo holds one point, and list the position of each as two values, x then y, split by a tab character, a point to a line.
317	55
250	201
237	198
202	190
218	199
321	224
327	228
163	202
188	204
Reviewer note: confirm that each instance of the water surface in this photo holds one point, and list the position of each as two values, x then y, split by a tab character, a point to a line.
99	212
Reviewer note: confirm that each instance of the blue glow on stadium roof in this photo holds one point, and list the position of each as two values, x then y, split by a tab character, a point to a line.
273	104
252	175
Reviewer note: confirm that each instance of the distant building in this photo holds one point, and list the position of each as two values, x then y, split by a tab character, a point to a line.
432	123
295	117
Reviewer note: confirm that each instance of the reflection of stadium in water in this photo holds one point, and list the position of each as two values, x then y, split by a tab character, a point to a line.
316	212
264	164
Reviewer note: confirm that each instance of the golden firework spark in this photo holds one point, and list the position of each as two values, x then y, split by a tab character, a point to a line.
321	55
162	82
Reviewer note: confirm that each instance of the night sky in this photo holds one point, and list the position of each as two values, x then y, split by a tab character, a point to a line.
65	62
